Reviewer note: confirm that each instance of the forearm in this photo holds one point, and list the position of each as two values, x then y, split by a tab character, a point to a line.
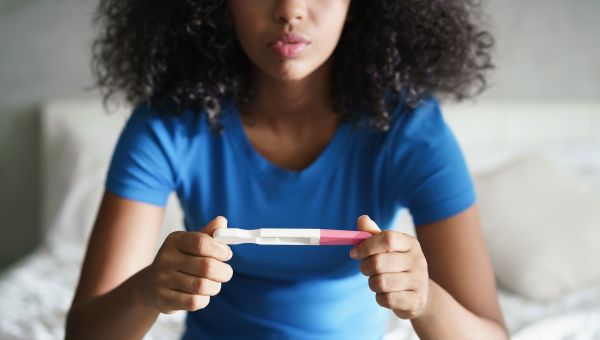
445	318
118	314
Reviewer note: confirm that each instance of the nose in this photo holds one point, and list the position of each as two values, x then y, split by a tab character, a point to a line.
289	11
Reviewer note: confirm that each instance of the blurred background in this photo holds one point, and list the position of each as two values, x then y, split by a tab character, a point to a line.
547	52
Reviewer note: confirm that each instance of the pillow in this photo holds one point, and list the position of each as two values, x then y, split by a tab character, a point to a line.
78	138
542	227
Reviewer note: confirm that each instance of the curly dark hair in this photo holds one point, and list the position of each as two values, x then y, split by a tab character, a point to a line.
179	55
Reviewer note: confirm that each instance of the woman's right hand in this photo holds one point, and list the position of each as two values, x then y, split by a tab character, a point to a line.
188	269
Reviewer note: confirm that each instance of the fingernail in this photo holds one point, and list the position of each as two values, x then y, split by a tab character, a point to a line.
360	217
353	253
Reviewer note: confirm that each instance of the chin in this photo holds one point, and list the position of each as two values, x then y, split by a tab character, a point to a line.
290	77
291	70
291	73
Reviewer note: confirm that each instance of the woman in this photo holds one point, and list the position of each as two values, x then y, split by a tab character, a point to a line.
288	113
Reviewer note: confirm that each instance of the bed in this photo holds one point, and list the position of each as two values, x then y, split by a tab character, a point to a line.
78	137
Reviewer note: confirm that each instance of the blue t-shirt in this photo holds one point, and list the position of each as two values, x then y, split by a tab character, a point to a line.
292	292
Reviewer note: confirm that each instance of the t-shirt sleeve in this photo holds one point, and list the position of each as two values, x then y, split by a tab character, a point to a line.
429	173
141	168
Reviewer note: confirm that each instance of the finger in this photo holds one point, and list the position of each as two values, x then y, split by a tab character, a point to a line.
172	300
402	301
365	223
385	242
206	267
194	285
385	263
217	223
392	282
201	244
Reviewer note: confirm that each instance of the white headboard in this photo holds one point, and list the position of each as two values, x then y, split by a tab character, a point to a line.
526	123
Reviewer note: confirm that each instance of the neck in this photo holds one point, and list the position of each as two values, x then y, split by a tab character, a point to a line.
280	104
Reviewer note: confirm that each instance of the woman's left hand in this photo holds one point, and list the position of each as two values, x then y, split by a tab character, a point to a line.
396	267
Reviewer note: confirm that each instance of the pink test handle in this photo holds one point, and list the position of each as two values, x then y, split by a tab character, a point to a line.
331	237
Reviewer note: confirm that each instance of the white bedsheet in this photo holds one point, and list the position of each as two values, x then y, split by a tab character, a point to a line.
525	318
584	325
36	293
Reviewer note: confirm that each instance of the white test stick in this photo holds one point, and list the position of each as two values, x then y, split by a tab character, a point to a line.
290	236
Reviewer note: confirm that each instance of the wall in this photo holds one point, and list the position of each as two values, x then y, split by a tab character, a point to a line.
43	54
546	49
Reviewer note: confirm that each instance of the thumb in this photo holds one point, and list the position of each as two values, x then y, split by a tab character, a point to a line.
217	223
365	223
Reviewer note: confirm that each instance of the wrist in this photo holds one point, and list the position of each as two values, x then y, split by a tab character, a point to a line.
141	293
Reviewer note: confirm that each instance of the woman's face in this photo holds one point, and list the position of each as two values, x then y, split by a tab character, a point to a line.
289	39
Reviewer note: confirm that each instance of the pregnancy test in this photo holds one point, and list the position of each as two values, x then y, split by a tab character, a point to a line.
281	236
